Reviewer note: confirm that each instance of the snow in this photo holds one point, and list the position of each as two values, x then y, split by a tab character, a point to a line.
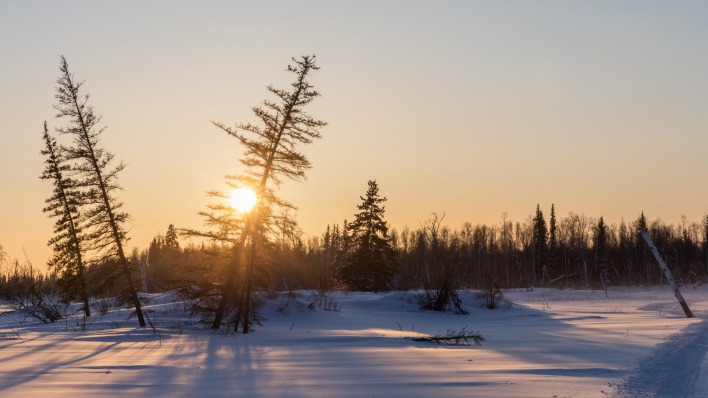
545	343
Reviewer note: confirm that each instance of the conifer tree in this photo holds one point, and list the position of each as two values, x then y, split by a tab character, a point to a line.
552	257
539	241
640	226
705	243
372	263
553	229
641	247
600	248
271	155
64	205
97	177
171	237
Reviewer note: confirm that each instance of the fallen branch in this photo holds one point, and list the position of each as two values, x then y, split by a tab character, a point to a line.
453	337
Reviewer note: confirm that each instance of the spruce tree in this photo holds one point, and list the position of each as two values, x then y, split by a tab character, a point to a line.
372	263
600	248
641	225
539	240
64	205
171	237
641	247
552	257
97	176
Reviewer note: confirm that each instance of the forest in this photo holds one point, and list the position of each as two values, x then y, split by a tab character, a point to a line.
576	252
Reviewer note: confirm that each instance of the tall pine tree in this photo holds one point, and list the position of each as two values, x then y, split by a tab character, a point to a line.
372	263
96	176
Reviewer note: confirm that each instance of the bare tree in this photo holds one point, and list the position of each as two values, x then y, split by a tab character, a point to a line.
441	290
103	218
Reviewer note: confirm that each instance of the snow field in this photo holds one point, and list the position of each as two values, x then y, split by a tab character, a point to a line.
547	343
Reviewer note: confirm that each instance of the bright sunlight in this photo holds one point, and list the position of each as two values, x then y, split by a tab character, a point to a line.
243	199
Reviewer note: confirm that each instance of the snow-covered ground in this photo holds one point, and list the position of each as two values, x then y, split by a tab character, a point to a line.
547	343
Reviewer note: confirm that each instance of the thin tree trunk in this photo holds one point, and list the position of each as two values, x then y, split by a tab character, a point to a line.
131	286
84	289
246	311
226	291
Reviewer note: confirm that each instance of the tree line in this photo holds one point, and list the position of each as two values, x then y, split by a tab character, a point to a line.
575	251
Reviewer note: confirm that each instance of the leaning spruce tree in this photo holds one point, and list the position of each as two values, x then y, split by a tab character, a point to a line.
271	154
63	205
92	166
372	261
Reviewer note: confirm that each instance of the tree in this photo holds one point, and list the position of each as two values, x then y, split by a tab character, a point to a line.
373	262
540	242
162	258
552	257
641	247
553	229
705	243
440	255
96	176
600	249
64	205
270	155
171	237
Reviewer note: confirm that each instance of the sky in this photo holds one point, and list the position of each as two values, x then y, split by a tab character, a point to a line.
471	109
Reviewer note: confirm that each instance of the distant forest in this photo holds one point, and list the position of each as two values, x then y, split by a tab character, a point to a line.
574	251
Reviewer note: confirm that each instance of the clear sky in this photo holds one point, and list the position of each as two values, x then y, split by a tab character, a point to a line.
464	107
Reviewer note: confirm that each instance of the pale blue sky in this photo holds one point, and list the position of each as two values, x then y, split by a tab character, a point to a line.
468	108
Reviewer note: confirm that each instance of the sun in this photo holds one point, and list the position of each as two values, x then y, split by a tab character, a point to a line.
243	199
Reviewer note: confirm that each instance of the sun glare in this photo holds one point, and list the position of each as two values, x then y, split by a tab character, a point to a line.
243	199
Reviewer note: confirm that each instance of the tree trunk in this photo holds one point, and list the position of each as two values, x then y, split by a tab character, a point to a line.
84	290
246	311
667	274
227	289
